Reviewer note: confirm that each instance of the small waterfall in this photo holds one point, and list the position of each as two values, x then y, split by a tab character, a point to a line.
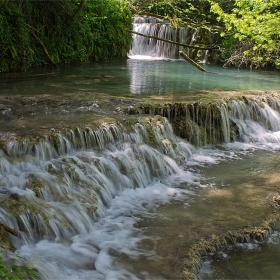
159	28
247	120
68	141
151	47
60	186
257	121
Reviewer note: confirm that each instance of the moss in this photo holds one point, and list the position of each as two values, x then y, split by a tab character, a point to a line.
193	258
151	134
5	240
35	185
19	207
50	169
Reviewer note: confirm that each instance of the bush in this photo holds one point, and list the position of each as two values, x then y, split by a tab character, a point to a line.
39	32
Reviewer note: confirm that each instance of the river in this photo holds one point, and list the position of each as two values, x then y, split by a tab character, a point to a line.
153	200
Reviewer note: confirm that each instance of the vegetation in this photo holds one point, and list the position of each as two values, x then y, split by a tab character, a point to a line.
250	28
50	32
252	32
15	272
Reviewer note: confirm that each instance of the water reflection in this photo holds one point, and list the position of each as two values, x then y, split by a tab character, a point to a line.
161	77
176	76
136	76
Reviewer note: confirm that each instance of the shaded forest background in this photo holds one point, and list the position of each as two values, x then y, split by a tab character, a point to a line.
51	32
65	31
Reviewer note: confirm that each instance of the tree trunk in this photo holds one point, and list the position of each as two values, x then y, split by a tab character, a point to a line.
82	3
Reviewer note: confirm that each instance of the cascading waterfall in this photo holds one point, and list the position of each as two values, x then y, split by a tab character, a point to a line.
246	120
151	47
60	186
56	190
257	122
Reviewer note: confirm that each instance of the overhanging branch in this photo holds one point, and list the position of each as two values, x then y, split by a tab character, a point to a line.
175	43
185	56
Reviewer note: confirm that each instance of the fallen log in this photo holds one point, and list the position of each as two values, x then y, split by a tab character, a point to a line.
187	58
173	42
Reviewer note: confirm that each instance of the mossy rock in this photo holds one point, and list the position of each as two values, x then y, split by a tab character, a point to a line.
5	240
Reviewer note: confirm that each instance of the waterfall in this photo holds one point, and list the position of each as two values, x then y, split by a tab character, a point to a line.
143	46
59	186
151	47
247	120
257	121
76	173
65	192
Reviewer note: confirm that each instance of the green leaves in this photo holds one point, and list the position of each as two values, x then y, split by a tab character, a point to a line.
15	272
97	33
257	21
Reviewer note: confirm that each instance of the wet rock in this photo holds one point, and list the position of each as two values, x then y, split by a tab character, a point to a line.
5	240
95	105
3	107
15	196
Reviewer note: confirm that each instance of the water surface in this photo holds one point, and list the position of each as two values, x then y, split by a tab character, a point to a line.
144	233
136	78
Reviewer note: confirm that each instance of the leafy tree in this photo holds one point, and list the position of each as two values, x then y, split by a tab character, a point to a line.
252	32
50	32
188	13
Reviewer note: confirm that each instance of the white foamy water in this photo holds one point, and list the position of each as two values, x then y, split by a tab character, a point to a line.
118	207
119	245
105	251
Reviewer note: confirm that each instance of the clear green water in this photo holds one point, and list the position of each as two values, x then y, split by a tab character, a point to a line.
245	261
231	194
251	180
137	77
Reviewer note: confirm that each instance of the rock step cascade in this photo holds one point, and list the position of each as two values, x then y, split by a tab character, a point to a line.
59	185
221	121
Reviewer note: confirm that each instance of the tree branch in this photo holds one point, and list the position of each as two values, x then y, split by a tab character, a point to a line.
172	42
191	61
41	43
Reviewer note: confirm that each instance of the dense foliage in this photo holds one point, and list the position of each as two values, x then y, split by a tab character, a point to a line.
194	13
253	29
50	32
250	28
42	32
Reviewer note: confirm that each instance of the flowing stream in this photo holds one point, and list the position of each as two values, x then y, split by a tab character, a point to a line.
126	202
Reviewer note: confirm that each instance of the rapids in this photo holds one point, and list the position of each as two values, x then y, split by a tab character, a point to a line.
113	204
128	199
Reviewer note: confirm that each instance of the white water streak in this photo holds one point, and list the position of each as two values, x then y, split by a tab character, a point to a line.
79	205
